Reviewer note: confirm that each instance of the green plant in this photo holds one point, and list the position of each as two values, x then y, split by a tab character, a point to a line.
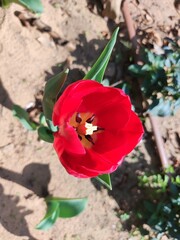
160	79
61	208
160	209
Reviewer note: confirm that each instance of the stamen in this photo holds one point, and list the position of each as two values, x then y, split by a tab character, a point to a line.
89	138
90	120
99	129
78	118
90	128
85	126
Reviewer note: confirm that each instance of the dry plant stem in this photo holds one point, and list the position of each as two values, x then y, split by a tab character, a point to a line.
131	30
136	47
129	23
159	141
140	104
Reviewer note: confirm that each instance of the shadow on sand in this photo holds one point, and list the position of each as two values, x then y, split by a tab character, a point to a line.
34	177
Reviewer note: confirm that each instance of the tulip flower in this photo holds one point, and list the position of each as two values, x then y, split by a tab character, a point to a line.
96	128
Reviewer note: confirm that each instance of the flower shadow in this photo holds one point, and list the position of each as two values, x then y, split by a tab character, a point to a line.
34	177
5	99
86	51
12	216
73	75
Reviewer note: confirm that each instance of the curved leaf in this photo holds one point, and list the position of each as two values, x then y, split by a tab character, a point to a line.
51	126
51	216
106	180
63	208
33	5
161	107
23	117
98	69
45	134
42	119
52	88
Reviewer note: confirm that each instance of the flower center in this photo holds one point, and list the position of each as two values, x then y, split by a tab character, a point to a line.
86	128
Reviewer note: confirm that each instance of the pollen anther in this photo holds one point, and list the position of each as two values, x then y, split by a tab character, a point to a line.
90	128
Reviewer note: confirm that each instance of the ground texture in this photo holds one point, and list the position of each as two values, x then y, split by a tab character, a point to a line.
29	168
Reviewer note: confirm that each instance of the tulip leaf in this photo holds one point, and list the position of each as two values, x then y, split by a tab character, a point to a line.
106	180
61	208
161	107
51	216
42	119
52	88
98	69
23	117
51	126
34	6
45	134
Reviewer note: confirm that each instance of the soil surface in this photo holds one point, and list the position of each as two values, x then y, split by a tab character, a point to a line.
29	168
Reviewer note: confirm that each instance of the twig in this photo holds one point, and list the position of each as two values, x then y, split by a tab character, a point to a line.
159	141
131	30
136	48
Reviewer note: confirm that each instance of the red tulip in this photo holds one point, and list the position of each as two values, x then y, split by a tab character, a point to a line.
97	128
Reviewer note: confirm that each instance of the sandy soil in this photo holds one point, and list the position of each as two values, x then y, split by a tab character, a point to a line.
29	168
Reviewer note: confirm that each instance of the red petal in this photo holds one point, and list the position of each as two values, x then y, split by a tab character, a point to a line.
89	165
58	144
107	141
130	137
111	107
134	132
67	139
71	98
62	112
114	116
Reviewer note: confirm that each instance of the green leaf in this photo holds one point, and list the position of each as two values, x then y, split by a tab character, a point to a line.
52	88
135	69
177	180
105	83
149	206
42	119
71	207
98	69
176	105
45	134
33	5
106	180
51	126
23	117
51	216
151	57
146	67
63	208
161	107
125	87
5	3
124	217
